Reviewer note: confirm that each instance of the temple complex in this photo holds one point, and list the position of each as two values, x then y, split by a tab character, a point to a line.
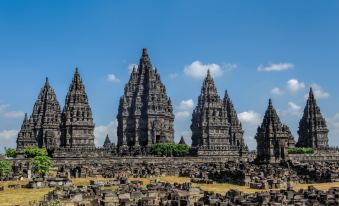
312	127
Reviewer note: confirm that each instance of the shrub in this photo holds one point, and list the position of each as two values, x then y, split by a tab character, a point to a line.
10	152
32	152
300	150
169	149
5	168
41	165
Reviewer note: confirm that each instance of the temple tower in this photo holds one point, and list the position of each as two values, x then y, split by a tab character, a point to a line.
77	120
47	118
145	114
273	138
26	137
312	127
209	119
236	132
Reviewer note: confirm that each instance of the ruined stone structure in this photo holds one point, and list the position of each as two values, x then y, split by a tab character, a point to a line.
145	112
312	127
211	127
273	138
77	120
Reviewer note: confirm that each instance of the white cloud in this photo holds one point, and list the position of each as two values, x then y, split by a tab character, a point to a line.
5	112
250	117
318	92
112	78
277	91
8	138
182	115
186	104
275	67
131	66
250	121
198	70
8	134
101	131
294	85
333	126
293	109
231	67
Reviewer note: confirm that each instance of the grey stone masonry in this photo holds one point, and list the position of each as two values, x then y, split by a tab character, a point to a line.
235	128
47	118
145	114
211	126
273	138
312	127
209	119
77	120
26	137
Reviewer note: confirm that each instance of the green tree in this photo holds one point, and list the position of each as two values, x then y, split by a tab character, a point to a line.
41	165
32	152
10	152
5	168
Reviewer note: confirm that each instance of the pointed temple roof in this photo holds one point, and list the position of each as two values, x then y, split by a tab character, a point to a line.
209	116
145	100
313	130
46	108
77	116
273	138
182	140
107	140
231	113
46	113
26	137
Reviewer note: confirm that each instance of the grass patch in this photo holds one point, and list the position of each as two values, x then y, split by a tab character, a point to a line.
21	196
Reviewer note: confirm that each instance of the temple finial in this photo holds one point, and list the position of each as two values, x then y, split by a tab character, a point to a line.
144	52
311	94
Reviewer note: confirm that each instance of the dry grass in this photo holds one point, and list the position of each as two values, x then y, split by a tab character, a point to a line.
21	196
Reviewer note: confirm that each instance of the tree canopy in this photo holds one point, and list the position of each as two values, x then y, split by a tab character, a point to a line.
5	168
169	149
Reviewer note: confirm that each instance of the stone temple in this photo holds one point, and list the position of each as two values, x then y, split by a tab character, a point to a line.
50	128
273	138
145	114
312	127
215	127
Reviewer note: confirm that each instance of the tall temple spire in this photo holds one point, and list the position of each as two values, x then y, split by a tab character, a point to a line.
313	130
273	138
77	121
46	117
145	112
209	120
235	130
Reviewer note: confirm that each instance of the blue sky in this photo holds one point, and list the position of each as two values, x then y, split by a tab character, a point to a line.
256	50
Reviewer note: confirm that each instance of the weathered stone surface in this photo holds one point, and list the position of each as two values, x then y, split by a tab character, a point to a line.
273	138
145	114
312	127
77	121
214	123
